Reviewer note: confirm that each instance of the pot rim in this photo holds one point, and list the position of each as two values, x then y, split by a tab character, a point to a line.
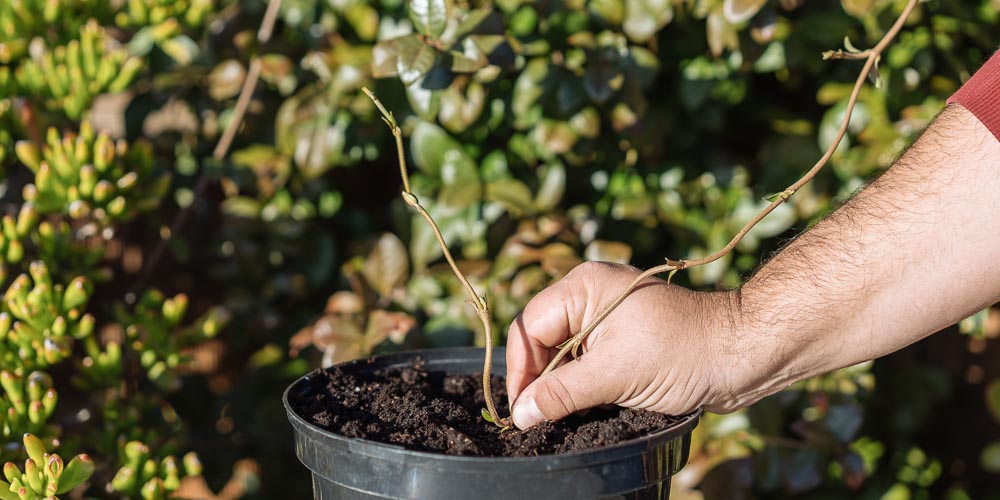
603	454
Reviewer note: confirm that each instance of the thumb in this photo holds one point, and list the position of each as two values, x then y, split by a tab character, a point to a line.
574	386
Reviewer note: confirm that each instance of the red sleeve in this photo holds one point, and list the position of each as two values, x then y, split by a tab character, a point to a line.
981	95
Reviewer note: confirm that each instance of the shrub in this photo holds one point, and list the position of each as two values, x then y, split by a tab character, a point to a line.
160	270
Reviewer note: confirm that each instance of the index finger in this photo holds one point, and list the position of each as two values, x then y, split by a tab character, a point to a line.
547	320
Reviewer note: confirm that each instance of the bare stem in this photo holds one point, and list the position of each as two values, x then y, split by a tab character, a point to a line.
477	301
871	57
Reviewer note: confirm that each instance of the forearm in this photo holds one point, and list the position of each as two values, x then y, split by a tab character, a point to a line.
914	252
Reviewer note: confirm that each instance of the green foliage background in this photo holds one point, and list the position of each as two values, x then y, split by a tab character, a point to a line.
541	134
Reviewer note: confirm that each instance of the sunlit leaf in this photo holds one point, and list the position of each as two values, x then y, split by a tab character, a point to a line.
460	109
611	11
529	87
721	33
608	251
387	325
363	19
226	79
431	146
553	185
385	54
387	266
857	8
414	62
471	21
430	17
424	97
739	11
643	18
513	194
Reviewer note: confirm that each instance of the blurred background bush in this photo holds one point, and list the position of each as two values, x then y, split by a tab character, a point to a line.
161	290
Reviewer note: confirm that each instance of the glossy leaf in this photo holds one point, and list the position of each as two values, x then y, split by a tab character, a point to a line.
387	265
386	54
471	21
739	11
643	18
608	251
513	194
430	17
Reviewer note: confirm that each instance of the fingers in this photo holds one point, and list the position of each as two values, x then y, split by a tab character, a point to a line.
572	387
550	317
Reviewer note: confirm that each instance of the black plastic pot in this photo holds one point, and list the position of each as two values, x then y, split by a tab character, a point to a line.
349	468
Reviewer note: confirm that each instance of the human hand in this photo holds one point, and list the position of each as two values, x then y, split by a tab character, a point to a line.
665	348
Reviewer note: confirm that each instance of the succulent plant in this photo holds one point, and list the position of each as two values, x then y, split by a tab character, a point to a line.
91	176
143	476
155	335
27	403
41	318
67	77
44	475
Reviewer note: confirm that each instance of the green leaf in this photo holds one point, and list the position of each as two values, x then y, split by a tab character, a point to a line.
739	11
385	54
993	398
553	185
430	17
850	46
486	415
486	44
471	21
414	62
76	472
470	59
431	147
35	448
721	32
529	87
423	98
643	18
990	457
364	19
874	75
608	251
857	8
460	109
513	194
5	493
610	11
387	265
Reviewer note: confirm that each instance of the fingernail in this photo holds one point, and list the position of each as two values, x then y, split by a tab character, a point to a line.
526	413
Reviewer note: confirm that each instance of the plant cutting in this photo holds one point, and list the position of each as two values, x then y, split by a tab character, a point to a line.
572	347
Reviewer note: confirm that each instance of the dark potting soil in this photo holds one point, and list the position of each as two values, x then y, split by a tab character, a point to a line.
439	412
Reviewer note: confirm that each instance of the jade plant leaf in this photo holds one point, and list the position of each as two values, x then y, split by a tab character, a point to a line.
76	472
